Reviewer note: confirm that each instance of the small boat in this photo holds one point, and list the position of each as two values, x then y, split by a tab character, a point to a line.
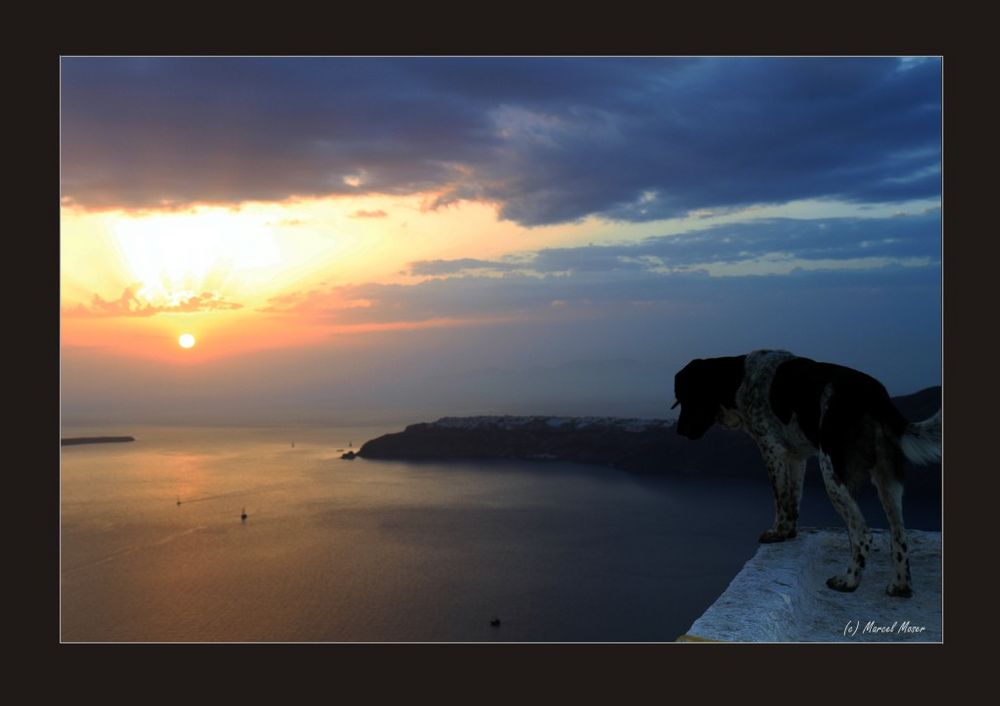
243	517
178	502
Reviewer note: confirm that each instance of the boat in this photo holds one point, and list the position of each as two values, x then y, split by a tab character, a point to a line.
244	515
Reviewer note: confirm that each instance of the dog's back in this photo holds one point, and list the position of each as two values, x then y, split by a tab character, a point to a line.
800	385
845	413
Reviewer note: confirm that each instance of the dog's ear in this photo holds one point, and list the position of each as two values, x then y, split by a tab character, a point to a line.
690	388
727	376
710	379
686	380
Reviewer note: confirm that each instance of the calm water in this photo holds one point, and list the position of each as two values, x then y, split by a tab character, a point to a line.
336	550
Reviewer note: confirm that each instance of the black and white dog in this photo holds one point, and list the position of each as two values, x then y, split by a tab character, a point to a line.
794	407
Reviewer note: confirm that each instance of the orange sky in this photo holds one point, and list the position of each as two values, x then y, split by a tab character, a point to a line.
132	282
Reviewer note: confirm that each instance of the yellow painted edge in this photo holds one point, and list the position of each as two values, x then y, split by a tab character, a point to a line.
694	638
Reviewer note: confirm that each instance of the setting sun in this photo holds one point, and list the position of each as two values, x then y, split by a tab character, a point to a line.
186	340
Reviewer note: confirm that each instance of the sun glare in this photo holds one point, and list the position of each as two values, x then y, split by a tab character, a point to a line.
186	340
176	255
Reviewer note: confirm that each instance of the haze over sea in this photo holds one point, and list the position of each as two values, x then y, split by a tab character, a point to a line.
361	550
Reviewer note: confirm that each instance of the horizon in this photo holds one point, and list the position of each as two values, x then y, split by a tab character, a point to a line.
380	239
295	418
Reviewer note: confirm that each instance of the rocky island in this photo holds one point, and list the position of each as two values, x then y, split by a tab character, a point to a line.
637	445
78	440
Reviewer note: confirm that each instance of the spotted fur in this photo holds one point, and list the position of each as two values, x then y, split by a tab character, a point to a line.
794	408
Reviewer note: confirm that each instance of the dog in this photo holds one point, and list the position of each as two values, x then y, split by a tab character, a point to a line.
794	408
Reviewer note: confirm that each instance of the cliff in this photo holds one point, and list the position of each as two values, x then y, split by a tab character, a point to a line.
780	595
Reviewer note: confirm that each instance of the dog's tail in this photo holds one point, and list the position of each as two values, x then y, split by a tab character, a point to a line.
921	441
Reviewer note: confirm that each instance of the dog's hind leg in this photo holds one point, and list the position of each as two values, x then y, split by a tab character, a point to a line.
890	492
857	529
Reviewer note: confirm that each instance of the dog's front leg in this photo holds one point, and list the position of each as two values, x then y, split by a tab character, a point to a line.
785	498
794	474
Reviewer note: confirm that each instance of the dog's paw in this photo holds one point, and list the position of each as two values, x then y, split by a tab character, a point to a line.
839	583
898	591
772	535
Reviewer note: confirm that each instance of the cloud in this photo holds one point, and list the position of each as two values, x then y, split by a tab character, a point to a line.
660	274
897	238
548	140
369	214
433	268
129	304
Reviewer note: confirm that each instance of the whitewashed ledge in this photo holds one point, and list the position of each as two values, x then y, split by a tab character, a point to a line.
780	595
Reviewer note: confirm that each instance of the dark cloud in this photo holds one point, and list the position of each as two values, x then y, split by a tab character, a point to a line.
547	140
128	304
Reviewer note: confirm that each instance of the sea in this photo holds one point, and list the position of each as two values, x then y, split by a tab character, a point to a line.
155	546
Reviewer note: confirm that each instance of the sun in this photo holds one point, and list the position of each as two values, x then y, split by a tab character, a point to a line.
186	340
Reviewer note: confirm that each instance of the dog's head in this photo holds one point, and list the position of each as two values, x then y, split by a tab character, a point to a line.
703	389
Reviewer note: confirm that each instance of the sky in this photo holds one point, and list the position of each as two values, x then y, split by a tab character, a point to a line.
390	240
